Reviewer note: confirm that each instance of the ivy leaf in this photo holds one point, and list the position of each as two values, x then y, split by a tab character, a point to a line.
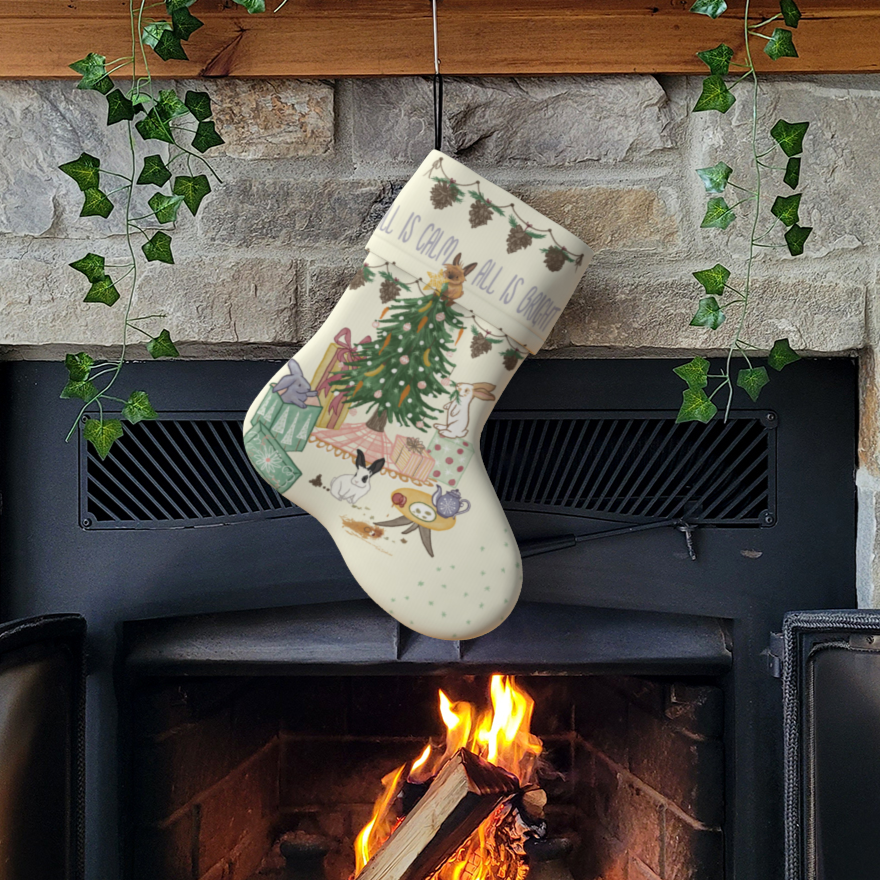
95	204
162	346
695	373
171	5
199	104
712	8
193	190
792	172
158	248
752	380
169	46
154	172
718	215
84	171
253	5
709	314
102	291
91	265
153	127
138	408
137	97
695	407
782	354
81	388
785	208
717	59
119	108
169	106
715	96
715	178
102	434
790	12
780	45
79	366
152	33
796	237
206	136
713	279
94	73
185	23
790	136
165	207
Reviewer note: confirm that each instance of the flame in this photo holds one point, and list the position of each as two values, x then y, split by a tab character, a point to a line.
381	823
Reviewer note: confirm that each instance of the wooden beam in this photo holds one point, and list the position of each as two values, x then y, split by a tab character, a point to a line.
335	38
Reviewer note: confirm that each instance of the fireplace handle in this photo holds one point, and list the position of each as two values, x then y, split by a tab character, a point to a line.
564	542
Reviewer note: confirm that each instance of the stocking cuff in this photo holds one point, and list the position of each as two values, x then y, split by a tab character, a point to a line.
482	247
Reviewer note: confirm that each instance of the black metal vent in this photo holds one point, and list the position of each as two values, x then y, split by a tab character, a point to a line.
190	469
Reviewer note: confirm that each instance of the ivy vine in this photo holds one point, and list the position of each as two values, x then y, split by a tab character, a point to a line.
163	117
722	299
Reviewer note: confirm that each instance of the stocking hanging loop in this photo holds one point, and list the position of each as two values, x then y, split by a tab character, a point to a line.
438	85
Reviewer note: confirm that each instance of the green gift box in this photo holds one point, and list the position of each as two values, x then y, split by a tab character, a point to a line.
270	458
294	424
269	408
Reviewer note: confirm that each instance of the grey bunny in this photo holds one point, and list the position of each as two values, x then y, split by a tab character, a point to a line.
295	388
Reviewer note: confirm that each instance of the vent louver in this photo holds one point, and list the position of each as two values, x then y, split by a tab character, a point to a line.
190	469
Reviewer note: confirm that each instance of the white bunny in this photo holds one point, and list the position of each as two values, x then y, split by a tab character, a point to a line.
352	488
458	411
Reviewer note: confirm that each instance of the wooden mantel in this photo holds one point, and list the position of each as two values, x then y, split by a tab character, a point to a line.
331	38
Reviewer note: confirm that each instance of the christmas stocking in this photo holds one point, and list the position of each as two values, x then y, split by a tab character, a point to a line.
374	426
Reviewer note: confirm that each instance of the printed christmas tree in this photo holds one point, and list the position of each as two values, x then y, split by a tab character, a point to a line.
395	376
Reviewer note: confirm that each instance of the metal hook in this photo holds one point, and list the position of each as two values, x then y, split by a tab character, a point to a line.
438	85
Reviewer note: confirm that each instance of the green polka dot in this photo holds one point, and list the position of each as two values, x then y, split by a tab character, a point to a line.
504	569
468	623
430	603
421	583
488	588
482	572
452	566
481	604
443	585
467	594
443	613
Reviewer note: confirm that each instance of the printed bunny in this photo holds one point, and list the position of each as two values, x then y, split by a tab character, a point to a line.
352	488
455	275
295	388
458	411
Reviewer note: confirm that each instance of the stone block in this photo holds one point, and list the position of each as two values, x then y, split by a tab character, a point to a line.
540	121
326	284
692	852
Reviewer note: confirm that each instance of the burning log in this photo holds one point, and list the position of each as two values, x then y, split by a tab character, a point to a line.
466	791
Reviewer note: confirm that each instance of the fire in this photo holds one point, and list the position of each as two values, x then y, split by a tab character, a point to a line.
500	734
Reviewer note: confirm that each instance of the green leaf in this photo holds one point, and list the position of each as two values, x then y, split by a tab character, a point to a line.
717	59
138	408
715	178
790	136
715	96
193	190
169	106
91	265
137	97
718	215
790	13
171	5
102	434
782	354
253	5
713	279
695	373
158	248
796	237
185	23
780	45
162	346
206	136
169	46
84	171
152	33
153	127
199	104
165	207
154	172
81	388
95	204
94	74
792	172
709	314
695	407
712	8
79	366
119	108
102	291
785	208
752	380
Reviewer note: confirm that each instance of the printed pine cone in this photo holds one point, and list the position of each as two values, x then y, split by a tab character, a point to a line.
358	280
442	195
480	345
510	361
480	214
554	258
517	239
389	290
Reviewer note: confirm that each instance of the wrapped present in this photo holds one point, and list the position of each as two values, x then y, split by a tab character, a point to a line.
411	458
269	408
451	458
334	407
294	424
270	458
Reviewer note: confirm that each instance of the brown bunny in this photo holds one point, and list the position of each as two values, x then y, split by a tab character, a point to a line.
455	275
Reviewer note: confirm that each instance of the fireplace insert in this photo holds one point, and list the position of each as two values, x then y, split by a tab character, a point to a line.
244	702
